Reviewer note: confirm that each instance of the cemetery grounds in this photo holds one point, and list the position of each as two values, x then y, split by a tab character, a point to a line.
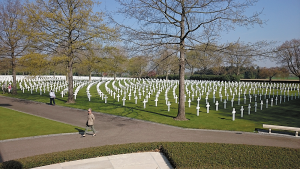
148	99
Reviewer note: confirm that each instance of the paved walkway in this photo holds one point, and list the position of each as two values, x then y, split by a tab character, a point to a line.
117	130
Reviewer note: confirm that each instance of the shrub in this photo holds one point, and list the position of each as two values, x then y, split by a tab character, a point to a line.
180	155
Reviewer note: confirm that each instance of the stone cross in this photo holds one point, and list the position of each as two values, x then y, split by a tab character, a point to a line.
207	106
189	102
206	99
245	99
176	98
198	100
280	99
221	98
156	101
261	105
169	104
118	97
89	96
146	98
239	101
217	105
276	100
129	96
255	107
124	101
135	98
232	100
249	107
233	114
198	108
105	98
144	103
225	103
267	103
242	111
271	102
140	95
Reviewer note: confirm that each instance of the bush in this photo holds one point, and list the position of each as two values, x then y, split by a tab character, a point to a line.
215	77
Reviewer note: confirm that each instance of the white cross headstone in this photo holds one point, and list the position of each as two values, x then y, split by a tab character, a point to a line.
156	101
249	107
255	107
207	107
105	98
124	101
217	105
198	108
189	102
232	100
176	99
144	103
233	114
261	105
169	104
198	100
135	98
118	97
267	102
225	104
242	111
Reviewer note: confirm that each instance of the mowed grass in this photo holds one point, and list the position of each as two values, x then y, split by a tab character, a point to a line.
286	114
15	124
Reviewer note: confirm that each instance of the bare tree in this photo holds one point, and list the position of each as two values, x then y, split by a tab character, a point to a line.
13	37
183	23
67	25
288	55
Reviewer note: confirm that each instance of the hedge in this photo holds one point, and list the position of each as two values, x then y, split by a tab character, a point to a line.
215	77
181	155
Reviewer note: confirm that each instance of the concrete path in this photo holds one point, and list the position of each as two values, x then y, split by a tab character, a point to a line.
117	130
147	160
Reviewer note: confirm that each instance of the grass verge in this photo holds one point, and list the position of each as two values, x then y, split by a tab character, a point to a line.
181	155
15	124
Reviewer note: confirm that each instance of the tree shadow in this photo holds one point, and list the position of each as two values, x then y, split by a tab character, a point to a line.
1	160
12	164
5	105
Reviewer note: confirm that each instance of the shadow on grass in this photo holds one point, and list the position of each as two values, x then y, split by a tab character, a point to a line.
285	114
11	164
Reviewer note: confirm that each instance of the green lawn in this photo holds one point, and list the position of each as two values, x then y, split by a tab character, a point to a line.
286	114
15	124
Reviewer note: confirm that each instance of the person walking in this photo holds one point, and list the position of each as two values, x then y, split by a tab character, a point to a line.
90	122
52	97
9	88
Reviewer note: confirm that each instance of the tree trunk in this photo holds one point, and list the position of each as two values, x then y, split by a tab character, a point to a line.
14	91
90	76
70	86
181	105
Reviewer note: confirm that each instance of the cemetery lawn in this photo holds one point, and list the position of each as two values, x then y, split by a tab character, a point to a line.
15	124
285	114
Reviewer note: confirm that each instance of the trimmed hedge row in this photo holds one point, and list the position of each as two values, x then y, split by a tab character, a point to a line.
180	154
215	77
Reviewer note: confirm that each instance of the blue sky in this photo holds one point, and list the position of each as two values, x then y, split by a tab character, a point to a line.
283	23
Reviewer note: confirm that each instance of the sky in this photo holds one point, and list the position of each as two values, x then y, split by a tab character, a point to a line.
283	24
